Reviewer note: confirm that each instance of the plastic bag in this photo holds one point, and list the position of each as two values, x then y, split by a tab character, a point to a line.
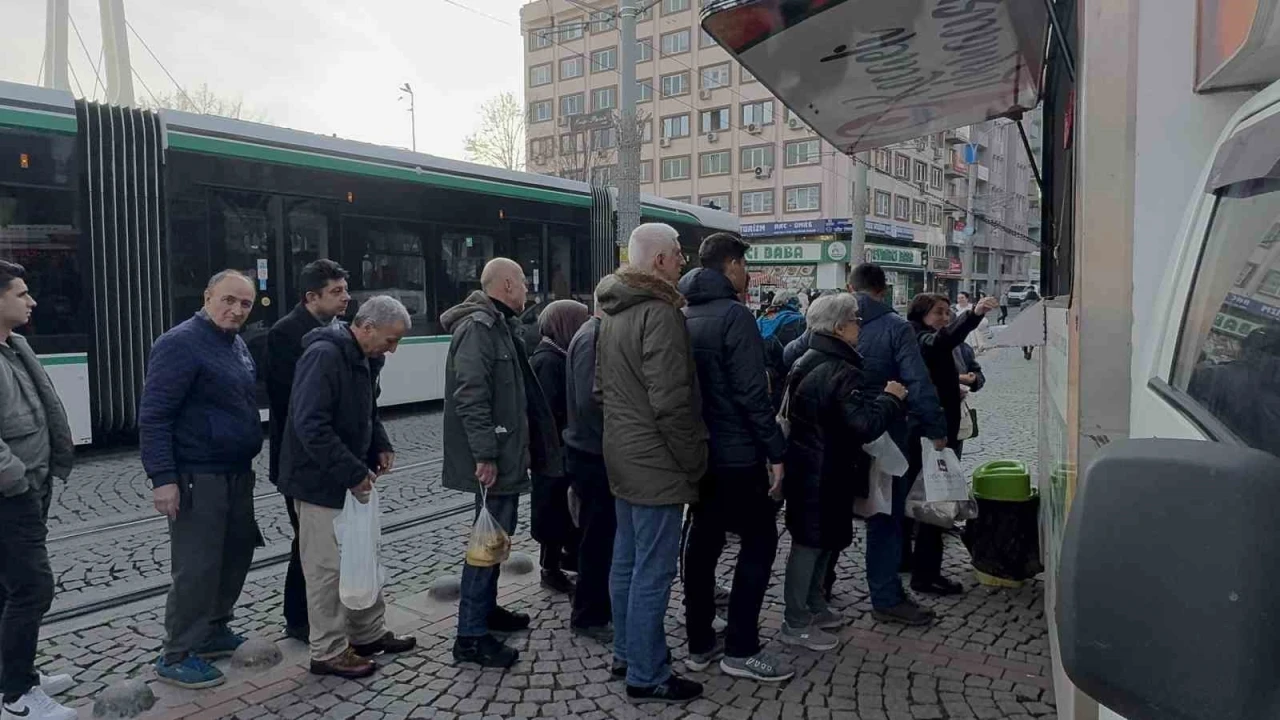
887	462
358	529
489	544
968	422
943	478
943	514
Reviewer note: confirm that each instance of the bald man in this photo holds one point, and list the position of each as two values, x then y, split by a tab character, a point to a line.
497	426
199	431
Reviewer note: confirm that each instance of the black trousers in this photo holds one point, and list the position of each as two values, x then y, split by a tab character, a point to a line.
26	590
730	500
598	523
295	585
926	556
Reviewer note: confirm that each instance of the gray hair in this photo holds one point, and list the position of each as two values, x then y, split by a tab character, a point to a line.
382	311
223	275
831	311
648	242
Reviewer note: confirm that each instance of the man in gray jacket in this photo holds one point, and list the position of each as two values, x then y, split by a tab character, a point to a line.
35	448
497	426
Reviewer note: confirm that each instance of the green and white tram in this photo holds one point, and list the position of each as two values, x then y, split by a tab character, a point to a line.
120	215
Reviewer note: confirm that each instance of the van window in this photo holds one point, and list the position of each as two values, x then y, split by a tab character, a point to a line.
1228	355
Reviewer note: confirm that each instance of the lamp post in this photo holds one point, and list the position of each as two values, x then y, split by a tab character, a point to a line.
413	120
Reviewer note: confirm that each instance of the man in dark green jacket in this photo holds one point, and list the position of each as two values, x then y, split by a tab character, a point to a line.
655	450
497	425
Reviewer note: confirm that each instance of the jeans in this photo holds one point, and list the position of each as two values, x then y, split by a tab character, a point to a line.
645	552
26	590
884	550
599	523
211	548
730	500
802	588
480	584
295	583
926	557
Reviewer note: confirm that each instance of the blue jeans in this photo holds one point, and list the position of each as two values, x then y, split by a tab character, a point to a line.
884	550
645	550
480	585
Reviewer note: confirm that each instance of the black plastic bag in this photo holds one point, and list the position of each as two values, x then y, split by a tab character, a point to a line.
1004	540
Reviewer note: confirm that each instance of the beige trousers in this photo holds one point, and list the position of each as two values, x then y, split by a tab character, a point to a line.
333	626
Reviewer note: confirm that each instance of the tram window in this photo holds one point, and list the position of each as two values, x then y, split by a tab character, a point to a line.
462	258
1228	356
37	230
385	257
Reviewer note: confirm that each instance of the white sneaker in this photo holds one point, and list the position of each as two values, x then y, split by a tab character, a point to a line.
36	705
56	684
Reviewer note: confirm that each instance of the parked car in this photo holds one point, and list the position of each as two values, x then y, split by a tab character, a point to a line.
1019	294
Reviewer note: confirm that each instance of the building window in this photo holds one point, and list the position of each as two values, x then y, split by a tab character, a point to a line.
603	21
572	30
644	50
604	138
714	120
935	215
884	161
757	113
540	111
1270	284
603	175
716	76
540	75
884	203
803	152
540	38
714	163
757	156
602	60
675	126
705	40
674	6
542	149
679	198
715	202
675	168
570	144
757	202
981	262
646	171
747	77
902	166
919	212
646	131
571	68
675	43
901	208
572	104
921	171
604	98
675	85
935	178
644	91
803	199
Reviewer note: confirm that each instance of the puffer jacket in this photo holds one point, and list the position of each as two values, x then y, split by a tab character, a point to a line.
494	409
832	416
655	442
729	354
890	351
20	441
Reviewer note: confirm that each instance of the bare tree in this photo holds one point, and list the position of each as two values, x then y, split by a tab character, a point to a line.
499	141
204	101
578	155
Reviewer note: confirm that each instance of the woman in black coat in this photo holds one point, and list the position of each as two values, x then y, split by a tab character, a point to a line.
551	523
939	335
831	417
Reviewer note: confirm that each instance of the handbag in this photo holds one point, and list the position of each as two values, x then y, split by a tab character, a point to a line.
968	422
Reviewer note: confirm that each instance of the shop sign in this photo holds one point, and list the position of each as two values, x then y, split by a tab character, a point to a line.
1252	305
824	226
888	255
798	253
1232	325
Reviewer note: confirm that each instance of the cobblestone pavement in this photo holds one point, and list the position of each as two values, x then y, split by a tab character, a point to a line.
986	657
109	486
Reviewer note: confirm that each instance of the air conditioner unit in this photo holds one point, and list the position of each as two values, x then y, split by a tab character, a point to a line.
794	123
764	171
664	142
705	94
753	129
712	137
564	121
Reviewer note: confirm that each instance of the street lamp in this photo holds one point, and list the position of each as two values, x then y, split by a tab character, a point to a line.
413	120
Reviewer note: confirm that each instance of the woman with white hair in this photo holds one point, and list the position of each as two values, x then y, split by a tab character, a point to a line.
831	416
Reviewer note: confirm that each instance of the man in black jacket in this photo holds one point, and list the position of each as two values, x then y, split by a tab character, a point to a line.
335	444
734	496
324	298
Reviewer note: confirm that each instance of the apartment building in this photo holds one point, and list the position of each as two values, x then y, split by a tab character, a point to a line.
713	135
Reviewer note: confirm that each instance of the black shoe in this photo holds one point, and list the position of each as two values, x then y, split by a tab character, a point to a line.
619	668
906	612
502	620
937	586
675	690
487	651
299	633
557	581
602	634
388	643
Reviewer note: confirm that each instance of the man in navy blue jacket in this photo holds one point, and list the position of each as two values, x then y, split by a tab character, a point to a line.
199	431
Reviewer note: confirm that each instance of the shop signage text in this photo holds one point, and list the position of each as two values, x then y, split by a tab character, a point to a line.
798	253
886	255
825	226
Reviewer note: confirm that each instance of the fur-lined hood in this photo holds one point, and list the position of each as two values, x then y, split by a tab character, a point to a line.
629	287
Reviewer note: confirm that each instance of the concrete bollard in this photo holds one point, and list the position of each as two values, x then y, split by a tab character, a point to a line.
257	653
125	699
519	564
446	588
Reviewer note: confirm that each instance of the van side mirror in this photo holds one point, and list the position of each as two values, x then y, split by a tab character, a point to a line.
1170	581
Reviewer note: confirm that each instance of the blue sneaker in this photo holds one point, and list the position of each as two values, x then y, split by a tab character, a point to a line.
221	643
192	673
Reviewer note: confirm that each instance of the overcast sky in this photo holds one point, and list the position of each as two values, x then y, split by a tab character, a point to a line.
327	66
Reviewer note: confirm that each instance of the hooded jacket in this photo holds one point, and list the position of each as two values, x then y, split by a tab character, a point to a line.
333	434
655	442
494	409
730	357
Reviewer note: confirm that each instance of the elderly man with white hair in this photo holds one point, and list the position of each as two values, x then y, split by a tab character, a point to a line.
497	427
334	444
655	451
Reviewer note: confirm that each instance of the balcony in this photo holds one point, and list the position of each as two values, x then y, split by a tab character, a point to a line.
959	136
984	172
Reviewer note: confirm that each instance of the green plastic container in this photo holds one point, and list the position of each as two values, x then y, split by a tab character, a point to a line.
1006	480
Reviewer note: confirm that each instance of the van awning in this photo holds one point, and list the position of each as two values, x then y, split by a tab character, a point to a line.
1251	154
869	73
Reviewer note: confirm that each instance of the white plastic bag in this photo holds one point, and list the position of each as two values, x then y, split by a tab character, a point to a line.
887	462
943	478
359	531
489	544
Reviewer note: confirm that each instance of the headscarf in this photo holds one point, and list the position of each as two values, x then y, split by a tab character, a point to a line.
560	320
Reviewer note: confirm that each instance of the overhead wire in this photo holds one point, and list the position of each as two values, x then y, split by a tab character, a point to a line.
172	79
87	55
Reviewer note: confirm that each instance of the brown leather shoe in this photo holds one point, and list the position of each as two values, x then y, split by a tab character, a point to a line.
347	665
